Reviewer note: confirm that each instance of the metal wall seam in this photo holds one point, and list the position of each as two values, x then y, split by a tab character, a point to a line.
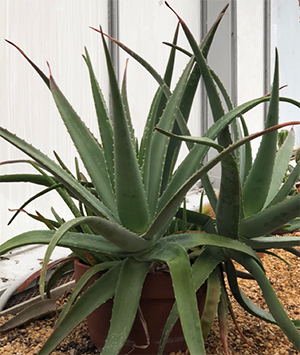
113	31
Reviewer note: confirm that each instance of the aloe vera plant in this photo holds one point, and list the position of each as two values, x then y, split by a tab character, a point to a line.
132	194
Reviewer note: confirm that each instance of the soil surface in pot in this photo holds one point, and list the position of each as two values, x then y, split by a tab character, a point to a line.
264	338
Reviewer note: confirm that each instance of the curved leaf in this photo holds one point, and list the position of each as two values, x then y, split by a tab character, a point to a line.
273	303
69	182
131	198
282	160
104	123
85	305
206	262
271	218
256	187
126	302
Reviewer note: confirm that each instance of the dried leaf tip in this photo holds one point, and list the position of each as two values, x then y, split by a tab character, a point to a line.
179	18
50	73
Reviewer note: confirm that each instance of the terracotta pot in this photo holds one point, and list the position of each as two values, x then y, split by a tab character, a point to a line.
156	302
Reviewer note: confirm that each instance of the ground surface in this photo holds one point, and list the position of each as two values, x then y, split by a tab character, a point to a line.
265	339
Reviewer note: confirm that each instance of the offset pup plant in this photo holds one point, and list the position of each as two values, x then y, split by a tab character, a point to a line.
132	195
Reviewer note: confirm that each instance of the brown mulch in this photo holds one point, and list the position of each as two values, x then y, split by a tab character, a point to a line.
264	338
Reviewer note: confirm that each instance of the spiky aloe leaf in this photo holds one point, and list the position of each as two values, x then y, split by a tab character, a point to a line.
211	303
86	304
166	214
195	157
212	93
113	232
256	187
203	266
126	104
282	160
287	186
87	146
271	241
184	289
243	154
228	206
126	302
38	70
73	240
32	198
271	218
104	123
131	197
159	146
223	321
75	188
145	151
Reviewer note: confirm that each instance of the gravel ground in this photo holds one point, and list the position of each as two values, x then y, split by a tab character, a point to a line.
264	339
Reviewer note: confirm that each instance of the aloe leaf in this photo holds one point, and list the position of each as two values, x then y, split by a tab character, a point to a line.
199	219
171	60
199	140
287	186
243	154
82	282
211	303
38	70
206	262
113	232
274	305
194	239
159	144
39	309
64	194
87	146
72	184
223	321
173	148
242	299
269	242
195	157
126	104
166	213
144	154
126	302
228	206
86	304
184	290
34	197
130	193
62	164
104	123
271	218
256	187
65	265
282	160
73	240
212	93
32	178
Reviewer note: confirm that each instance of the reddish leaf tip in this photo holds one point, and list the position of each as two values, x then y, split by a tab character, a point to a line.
50	73
179	18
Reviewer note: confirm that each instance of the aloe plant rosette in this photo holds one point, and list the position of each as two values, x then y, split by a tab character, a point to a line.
132	194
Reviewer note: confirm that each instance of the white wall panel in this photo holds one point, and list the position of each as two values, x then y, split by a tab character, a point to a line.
144	25
54	31
250	60
285	34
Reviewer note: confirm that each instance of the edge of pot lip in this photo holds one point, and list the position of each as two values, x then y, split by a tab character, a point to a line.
56	292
